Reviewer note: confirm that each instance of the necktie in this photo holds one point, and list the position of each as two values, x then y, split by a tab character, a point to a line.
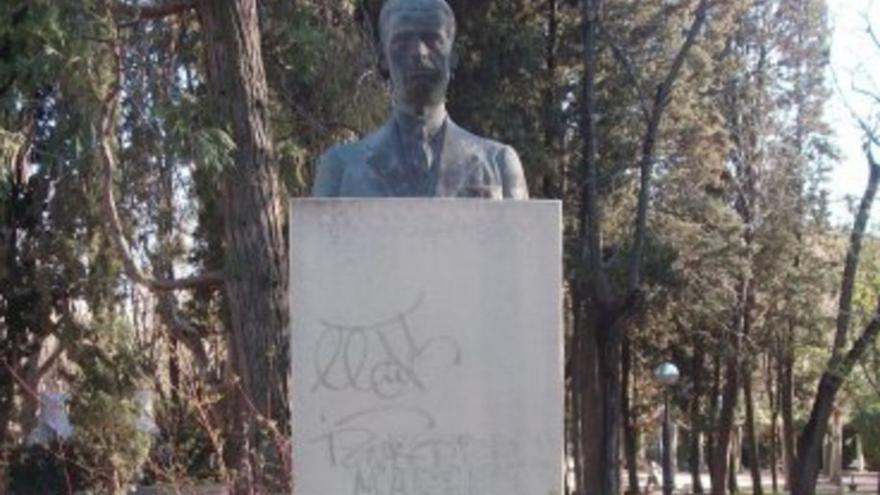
423	156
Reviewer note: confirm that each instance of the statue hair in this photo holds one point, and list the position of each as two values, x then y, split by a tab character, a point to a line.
394	6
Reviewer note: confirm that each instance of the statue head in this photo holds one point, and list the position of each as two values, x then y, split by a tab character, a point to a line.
417	38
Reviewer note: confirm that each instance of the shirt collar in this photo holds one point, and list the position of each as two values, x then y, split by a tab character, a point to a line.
421	128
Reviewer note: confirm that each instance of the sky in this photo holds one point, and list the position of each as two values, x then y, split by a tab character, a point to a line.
855	60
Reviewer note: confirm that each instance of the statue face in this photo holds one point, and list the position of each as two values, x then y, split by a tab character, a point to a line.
418	50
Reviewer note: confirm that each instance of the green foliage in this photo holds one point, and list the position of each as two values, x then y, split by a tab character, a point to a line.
867	423
214	148
107	443
322	69
502	86
868	281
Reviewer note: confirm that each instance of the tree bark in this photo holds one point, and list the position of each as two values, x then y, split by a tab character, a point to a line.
577	370
835	457
720	460
735	465
609	374
786	399
774	423
593	472
255	259
695	417
754	459
630	433
587	399
747	364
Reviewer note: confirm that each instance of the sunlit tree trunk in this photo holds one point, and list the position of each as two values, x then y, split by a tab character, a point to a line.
255	258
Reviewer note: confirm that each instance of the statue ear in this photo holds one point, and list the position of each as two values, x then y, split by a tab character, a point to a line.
453	60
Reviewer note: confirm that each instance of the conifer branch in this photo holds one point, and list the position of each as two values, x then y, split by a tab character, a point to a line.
136	13
632	73
117	234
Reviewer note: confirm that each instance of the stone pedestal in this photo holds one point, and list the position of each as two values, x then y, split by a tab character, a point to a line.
426	347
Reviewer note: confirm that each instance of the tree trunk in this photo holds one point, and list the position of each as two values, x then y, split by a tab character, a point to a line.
826	455
695	454
774	441
774	422
809	454
5	445
254	258
720	457
786	394
718	468
577	369
609	375
592	416
752	432
696	461
595	434
16	307
630	433
835	459
734	465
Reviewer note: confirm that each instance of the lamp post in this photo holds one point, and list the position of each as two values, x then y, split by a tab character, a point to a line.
667	375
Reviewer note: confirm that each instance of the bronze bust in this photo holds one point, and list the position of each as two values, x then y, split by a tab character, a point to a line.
419	151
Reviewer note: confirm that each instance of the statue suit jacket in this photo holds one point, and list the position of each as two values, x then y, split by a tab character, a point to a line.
469	166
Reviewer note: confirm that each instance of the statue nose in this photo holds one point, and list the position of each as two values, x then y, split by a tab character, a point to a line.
421	51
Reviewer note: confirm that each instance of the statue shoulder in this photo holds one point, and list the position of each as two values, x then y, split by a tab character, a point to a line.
503	158
467	138
351	150
332	164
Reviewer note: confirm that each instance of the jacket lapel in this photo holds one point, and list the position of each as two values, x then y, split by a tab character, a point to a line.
458	167
458	162
382	163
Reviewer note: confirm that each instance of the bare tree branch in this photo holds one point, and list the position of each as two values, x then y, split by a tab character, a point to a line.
870	132
875	97
873	35
117	235
51	360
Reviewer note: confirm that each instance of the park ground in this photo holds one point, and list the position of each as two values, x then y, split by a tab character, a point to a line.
864	481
